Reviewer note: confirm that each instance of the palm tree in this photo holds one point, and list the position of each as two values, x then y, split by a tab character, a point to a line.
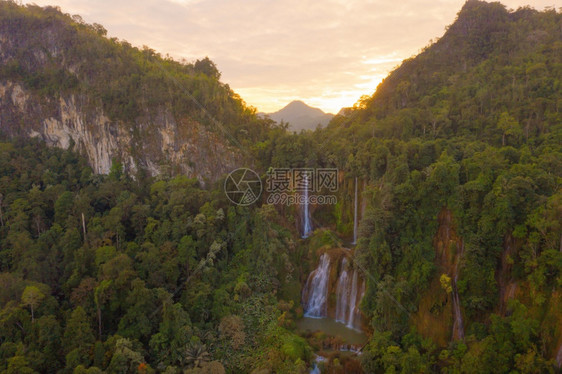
196	354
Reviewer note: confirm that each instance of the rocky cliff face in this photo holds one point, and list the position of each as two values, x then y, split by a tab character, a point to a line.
46	92
439	315
94	135
157	143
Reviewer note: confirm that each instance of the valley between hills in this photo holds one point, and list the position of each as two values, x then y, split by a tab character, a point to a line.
434	246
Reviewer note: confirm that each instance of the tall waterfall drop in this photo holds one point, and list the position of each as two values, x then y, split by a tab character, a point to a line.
349	292
342	294
355	215
316	304
352	301
335	276
307	226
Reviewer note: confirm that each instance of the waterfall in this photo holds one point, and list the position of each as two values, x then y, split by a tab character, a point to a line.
316	304
458	325
355	216
315	369
342	294
458	328
307	227
352	301
348	297
357	316
349	290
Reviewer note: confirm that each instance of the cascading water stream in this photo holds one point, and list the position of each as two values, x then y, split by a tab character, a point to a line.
352	301
342	294
315	369
307	226
458	326
355	215
355	318
348	297
316	304
349	289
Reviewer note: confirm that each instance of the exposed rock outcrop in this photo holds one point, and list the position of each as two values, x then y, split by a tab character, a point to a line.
439	315
165	146
63	81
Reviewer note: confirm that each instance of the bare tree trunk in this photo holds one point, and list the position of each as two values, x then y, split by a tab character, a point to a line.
37	220
84	226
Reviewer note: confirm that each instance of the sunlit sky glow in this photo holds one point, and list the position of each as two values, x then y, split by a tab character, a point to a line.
326	52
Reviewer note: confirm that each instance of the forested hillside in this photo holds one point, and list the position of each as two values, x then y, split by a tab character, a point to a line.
66	82
458	155
101	272
460	149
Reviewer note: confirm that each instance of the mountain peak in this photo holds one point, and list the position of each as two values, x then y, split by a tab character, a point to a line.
301	116
297	103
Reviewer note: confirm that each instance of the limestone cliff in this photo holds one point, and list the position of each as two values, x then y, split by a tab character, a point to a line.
63	81
186	146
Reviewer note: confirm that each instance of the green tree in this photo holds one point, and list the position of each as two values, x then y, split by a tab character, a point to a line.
78	338
509	127
125	359
32	297
19	365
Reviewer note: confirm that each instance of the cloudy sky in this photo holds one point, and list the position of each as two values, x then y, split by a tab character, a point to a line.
325	52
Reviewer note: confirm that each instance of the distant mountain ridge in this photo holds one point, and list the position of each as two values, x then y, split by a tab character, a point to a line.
301	116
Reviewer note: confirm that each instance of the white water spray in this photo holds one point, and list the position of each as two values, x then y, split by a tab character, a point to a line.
352	301
342	294
307	226
349	293
316	305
